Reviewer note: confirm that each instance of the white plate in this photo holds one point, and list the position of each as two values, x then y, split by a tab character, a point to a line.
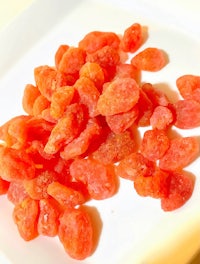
135	230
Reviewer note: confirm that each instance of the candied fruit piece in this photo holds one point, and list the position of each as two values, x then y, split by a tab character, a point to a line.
156	186
59	54
161	118
99	178
96	40
88	94
72	61
61	98
4	186
76	233
150	59
41	103
66	196
181	152
48	80
25	215
29	96
118	97
16	192
107	57
80	144
156	96
135	165
115	147
67	128
119	123
15	164
188	85
145	107
37	187
154	144
180	191
187	114
125	70
94	72
132	38
48	220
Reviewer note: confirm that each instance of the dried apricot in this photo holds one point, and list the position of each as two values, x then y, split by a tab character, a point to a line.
132	38
76	233
48	219
156	185
115	147
181	152
161	118
99	178
188	85
150	59
135	165
180	190
187	114
119	97
96	40
72	61
16	164
25	215
154	144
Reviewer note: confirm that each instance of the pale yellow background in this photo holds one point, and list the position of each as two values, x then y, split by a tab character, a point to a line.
11	8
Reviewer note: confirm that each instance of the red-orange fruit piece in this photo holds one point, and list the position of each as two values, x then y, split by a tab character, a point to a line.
88	94
154	144
180	191
59	54
67	128
181	152
66	196
145	107
119	123
41	103
14	131
30	94
156	186
161	118
156	96
48	220
76	233
61	98
72	61
150	59
25	215
4	186
79	145
188	85
187	114
96	40
115	147
94	72
126	70
119	97
107	57
99	178
37	187
132	38
135	165
15	164
48	79
16	192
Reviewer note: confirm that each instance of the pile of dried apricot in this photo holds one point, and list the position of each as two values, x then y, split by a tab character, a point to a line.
80	135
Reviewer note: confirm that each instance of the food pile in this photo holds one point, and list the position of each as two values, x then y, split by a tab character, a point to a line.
79	136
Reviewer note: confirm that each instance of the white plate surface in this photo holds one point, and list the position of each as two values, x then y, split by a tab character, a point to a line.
135	230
